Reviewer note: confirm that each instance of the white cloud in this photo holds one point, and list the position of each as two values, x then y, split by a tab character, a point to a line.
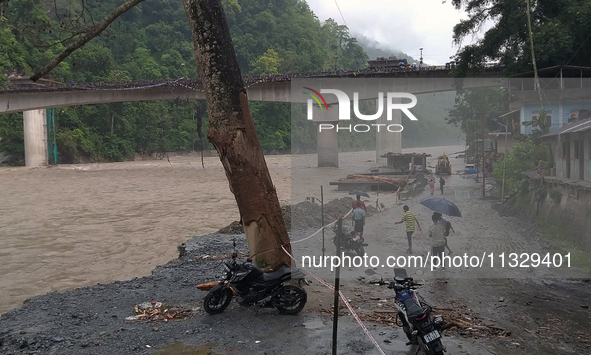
404	25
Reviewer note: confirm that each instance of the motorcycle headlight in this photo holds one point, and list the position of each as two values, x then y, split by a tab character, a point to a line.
224	274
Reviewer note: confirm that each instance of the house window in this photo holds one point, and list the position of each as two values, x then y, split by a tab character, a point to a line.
536	114
564	149
577	146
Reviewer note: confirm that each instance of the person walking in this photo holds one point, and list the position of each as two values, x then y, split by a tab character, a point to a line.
410	219
441	183
431	183
447	225
358	220
360	203
437	235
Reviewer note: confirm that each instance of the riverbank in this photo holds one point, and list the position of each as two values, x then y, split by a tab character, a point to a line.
532	312
78	225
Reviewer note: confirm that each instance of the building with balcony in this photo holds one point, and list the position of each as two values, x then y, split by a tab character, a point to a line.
566	98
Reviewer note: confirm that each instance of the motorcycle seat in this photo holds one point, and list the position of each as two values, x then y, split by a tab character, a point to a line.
270	276
412	309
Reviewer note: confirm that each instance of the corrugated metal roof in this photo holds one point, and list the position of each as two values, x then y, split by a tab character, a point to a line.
583	127
573	127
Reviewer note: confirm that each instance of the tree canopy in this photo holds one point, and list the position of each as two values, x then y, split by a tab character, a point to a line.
560	28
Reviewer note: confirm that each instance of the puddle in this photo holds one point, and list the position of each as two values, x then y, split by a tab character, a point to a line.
179	348
314	324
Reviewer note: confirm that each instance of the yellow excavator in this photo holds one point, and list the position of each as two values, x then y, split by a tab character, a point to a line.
443	165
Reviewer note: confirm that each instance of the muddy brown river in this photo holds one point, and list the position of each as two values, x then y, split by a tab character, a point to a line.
77	225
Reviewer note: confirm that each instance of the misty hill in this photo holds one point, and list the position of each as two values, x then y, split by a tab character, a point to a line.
431	129
375	49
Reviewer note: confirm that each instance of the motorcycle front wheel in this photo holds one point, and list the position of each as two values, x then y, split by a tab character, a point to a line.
291	300
216	301
359	250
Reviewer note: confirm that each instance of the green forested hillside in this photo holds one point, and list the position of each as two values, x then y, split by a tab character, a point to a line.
153	41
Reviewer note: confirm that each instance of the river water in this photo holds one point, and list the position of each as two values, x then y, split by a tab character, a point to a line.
78	225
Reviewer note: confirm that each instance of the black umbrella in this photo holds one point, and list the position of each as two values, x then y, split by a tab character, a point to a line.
442	206
358	192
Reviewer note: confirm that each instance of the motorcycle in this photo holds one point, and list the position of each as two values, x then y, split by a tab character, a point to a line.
252	287
350	241
415	314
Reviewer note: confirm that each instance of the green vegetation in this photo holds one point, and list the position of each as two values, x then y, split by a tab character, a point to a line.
560	29
555	195
561	241
152	41
524	156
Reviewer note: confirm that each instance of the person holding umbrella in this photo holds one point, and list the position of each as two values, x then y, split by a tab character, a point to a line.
447	225
442	206
359	221
437	235
410	219
359	203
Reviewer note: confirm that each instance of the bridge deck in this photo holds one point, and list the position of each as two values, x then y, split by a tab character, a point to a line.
22	85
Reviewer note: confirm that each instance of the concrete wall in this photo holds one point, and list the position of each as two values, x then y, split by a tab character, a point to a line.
35	134
572	213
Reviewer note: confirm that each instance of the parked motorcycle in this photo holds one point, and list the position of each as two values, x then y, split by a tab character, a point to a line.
415	314
252	287
350	241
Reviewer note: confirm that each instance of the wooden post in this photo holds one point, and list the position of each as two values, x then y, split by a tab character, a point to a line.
322	212
337	280
483	165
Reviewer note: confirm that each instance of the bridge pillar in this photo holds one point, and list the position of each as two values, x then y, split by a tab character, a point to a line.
328	138
388	141
35	134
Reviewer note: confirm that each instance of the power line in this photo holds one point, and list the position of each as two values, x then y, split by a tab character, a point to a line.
582	44
343	17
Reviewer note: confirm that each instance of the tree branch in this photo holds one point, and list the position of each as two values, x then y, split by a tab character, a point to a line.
90	34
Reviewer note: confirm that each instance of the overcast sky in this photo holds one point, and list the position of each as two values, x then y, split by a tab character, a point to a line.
404	25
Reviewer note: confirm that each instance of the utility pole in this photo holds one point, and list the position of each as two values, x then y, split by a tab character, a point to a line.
504	161
483	165
533	55
337	282
421	59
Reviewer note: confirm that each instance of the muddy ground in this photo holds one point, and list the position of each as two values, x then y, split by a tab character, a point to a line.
518	311
487	316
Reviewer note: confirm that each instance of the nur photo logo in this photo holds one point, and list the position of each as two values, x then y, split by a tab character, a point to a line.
344	109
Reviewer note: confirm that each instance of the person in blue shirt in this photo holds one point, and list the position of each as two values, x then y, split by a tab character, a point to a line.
358	220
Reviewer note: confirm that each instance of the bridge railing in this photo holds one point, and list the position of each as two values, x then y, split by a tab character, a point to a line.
20	85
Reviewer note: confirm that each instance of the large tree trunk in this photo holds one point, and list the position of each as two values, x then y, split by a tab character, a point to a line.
232	132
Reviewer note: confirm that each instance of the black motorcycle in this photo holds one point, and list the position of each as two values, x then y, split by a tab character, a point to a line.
415	314
350	241
252	287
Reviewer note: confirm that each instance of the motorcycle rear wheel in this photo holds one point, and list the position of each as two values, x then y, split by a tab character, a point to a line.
290	292
217	301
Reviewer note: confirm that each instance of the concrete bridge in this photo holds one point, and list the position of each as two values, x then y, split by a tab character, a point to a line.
32	99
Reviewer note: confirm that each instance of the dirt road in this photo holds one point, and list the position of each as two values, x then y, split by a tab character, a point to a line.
538	310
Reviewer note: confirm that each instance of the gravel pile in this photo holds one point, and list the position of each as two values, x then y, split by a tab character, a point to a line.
306	215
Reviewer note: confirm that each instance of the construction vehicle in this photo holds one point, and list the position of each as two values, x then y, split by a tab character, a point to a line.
443	165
